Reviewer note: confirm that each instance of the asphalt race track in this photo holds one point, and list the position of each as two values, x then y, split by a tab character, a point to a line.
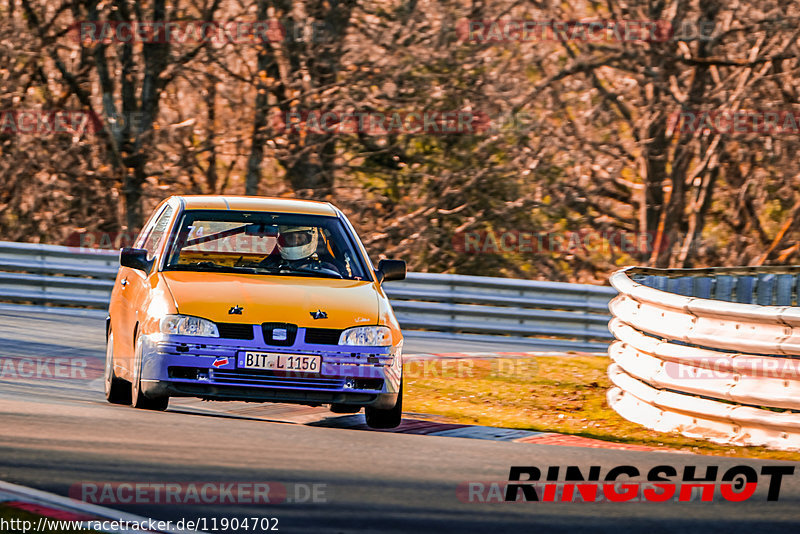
55	433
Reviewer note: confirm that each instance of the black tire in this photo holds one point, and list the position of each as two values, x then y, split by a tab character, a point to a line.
117	391
390	418
138	399
345	408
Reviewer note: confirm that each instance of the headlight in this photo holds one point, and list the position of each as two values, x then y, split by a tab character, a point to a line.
370	336
185	325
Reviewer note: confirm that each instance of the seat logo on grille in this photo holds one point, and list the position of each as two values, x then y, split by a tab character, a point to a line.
319	314
235	310
279	334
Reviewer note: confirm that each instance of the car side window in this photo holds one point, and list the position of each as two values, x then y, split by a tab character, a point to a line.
148	227
157	234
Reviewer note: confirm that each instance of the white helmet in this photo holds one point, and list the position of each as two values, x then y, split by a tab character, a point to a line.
297	242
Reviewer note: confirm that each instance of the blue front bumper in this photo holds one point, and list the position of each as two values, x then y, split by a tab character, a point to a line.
213	368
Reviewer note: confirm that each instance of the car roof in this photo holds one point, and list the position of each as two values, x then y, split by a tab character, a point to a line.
245	203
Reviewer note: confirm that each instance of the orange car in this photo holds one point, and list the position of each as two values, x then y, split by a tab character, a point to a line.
254	299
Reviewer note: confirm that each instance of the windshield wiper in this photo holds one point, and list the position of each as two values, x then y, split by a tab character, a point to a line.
297	272
210	266
318	274
322	271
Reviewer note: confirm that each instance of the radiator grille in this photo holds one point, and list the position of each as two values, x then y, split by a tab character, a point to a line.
253	377
235	331
323	336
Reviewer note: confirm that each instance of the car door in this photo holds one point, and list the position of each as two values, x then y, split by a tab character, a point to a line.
132	288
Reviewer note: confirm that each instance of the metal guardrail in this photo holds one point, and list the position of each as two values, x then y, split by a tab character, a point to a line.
709	353
475	308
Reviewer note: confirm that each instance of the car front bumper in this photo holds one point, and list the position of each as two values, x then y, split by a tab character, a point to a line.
213	369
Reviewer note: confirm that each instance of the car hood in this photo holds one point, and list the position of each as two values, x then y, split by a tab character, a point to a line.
266	298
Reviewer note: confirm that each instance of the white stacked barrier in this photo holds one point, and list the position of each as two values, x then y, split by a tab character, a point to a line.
709	353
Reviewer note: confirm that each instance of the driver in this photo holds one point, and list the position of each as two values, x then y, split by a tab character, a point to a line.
297	242
297	246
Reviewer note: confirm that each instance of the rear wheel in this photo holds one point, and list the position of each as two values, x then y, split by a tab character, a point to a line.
117	390
138	398
390	418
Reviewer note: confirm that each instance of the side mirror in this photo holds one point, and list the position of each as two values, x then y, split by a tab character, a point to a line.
391	270
135	258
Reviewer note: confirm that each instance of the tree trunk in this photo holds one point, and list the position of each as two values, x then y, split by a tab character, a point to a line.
211	115
258	138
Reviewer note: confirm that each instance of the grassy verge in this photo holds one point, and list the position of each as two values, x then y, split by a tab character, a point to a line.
545	394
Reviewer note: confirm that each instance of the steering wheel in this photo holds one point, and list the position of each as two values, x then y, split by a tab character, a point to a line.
315	267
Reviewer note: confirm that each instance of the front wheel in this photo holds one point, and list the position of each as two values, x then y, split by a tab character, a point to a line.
117	390
390	418
138	398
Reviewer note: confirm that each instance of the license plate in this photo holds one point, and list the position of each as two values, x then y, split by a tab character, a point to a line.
281	362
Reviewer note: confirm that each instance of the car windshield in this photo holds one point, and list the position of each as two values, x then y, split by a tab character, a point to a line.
285	244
